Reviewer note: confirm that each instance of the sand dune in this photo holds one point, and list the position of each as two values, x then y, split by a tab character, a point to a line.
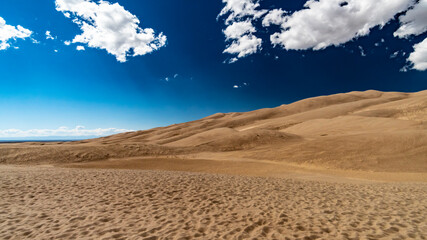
345	166
369	131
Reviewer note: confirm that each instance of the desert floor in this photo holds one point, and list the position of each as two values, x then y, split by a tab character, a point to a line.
344	166
47	202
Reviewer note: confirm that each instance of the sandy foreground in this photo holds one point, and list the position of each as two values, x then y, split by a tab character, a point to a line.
40	202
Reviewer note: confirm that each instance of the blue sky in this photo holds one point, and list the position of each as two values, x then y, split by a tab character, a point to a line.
51	89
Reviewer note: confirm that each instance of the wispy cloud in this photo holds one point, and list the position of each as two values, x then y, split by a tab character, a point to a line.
240	86
78	131
49	35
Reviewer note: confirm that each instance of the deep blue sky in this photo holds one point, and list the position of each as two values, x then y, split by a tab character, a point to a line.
44	89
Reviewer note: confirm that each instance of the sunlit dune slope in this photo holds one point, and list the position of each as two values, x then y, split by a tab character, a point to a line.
371	130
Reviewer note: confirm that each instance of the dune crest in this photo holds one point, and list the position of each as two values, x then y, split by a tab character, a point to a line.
367	131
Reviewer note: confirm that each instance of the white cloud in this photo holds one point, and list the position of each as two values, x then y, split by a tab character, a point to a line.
67	43
241	86
244	46
325	23
49	35
244	42
275	16
238	9
9	32
175	75
362	51
240	30
394	55
55	50
414	22
110	27
80	48
419	56
78	131
232	60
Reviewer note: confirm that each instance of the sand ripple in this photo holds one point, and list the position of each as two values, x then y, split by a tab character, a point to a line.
54	203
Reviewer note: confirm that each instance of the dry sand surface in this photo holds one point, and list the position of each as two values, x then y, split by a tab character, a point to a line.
59	203
290	172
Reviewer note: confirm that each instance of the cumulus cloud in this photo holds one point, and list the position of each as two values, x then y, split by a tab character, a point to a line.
244	46
78	131
275	16
238	9
80	48
240	30
326	23
419	56
414	22
323	23
244	43
110	27
9	33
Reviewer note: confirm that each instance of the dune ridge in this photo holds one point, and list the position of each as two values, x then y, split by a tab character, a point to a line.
366	131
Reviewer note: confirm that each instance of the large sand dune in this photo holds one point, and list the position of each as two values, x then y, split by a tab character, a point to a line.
346	166
368	131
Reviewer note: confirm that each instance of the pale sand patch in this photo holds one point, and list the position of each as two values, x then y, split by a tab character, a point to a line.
59	203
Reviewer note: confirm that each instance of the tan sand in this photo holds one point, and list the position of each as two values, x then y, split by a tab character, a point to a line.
58	203
345	166
360	131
